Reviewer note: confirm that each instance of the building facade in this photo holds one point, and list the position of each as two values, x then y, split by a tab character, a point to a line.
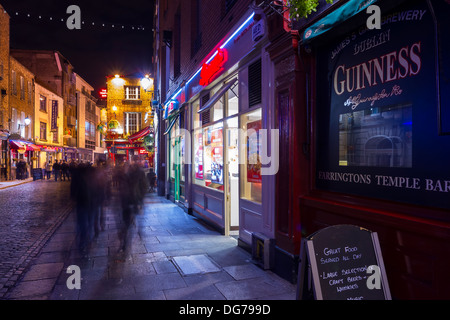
56	72
21	114
129	117
219	135
4	95
89	138
48	125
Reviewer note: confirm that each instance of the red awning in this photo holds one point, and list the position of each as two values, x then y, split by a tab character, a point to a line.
15	144
32	147
139	135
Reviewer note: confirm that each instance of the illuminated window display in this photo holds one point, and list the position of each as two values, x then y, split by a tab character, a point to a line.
251	179
208	156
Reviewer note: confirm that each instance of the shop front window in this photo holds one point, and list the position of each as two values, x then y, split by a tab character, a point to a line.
208	156
251	178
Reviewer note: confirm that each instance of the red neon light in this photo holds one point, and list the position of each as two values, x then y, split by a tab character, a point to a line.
103	93
210	70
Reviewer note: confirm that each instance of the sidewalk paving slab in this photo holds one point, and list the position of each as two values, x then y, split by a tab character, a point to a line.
172	256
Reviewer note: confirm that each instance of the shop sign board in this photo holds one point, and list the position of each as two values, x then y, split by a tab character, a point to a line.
213	68
342	262
382	112
239	43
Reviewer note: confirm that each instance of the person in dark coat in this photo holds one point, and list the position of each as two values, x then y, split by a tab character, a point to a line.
81	190
57	170
65	171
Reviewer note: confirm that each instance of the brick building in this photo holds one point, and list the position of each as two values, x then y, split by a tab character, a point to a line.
4	93
21	114
54	70
129	112
48	124
90	144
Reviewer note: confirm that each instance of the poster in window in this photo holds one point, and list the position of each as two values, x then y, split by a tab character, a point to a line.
253	152
198	160
216	156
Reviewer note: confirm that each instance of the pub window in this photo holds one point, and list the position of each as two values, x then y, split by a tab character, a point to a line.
43	131
22	88
132	122
376	137
14	83
30	91
43	103
132	93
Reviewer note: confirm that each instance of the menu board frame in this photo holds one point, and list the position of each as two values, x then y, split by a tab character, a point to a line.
315	282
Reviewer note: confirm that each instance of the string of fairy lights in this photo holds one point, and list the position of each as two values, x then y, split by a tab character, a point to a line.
84	23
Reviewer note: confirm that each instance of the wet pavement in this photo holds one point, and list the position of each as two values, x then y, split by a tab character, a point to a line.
30	212
172	256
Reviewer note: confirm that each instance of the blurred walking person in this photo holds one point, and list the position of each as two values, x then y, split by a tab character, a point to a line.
56	170
100	193
65	171
48	169
81	193
133	186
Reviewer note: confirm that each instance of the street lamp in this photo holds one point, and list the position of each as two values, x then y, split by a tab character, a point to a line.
146	83
27	123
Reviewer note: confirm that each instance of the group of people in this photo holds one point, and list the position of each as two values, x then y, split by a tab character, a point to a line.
60	169
93	186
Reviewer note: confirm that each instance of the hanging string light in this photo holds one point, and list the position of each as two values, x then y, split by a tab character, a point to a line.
99	24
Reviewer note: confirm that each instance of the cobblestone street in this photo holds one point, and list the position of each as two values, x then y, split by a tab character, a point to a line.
29	214
172	255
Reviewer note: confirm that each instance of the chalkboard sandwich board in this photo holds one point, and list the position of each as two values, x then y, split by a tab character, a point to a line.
37	174
342	262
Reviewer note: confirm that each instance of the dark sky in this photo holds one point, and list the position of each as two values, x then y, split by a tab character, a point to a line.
96	50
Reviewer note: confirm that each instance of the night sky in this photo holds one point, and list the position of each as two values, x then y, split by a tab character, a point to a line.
95	51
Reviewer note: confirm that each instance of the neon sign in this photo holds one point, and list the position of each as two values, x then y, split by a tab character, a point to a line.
173	106
103	93
214	67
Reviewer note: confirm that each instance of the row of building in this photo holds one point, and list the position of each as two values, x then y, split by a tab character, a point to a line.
47	110
357	124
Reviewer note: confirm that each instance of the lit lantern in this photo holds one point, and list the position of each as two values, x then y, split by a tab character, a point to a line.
113	124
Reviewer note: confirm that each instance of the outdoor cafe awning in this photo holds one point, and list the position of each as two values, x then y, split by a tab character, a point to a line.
32	147
23	146
17	145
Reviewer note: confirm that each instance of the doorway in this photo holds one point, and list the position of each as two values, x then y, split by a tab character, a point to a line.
232	177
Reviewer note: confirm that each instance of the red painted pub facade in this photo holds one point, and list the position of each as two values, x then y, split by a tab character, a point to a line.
365	138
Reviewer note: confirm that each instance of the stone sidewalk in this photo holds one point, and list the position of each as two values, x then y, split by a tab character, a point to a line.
173	256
